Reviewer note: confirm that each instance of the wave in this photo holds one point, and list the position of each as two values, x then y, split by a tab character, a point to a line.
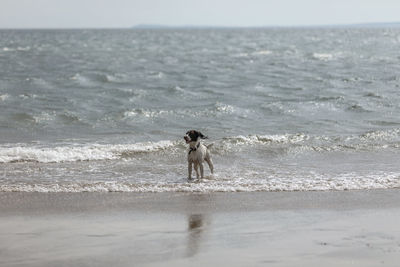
215	109
23	118
27	96
24	153
292	143
13	49
256	139
263	52
255	53
274	184
28	119
373	95
40	82
93	78
301	143
148	113
323	56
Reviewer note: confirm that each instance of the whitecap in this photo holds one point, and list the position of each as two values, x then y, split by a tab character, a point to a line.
267	139
26	48
381	135
243	54
223	108
263	52
323	56
44	117
147	113
3	97
27	96
156	75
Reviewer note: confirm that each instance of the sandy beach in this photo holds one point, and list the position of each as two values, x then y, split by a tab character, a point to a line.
346	228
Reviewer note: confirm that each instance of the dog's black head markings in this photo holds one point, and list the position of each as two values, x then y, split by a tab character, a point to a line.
193	136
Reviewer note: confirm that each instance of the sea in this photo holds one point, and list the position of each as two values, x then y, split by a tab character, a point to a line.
284	109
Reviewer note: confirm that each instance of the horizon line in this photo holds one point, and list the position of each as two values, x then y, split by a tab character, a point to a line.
194	26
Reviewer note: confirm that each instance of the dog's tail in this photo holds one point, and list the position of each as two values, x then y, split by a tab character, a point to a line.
209	145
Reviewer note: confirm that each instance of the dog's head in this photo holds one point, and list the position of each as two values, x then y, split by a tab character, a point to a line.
193	136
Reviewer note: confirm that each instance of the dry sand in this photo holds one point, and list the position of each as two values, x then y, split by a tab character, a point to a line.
349	228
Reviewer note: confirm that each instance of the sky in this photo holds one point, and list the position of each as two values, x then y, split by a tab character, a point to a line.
244	13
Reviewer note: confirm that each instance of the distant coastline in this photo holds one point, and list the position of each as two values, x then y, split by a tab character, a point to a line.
356	25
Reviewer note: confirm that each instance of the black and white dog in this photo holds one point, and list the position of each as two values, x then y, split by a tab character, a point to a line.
198	153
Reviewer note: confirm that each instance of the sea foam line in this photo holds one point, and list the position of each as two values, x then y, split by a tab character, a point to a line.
388	181
23	153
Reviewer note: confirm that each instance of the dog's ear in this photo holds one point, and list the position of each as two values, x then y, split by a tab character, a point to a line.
202	136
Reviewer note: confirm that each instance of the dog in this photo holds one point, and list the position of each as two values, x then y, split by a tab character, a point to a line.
198	153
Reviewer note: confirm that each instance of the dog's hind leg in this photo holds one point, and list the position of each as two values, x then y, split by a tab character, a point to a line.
210	164
190	170
201	170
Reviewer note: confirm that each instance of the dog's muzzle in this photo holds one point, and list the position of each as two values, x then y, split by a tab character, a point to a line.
187	139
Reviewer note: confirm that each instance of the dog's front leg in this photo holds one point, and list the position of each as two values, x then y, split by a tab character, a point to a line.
201	170
190	165
196	168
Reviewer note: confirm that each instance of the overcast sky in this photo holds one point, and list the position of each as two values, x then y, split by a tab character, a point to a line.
127	13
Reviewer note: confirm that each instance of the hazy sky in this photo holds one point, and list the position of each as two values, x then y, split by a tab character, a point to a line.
127	13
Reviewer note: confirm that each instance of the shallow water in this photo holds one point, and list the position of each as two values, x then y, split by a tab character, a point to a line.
284	109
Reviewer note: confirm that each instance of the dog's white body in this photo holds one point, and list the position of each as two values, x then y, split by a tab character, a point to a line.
198	153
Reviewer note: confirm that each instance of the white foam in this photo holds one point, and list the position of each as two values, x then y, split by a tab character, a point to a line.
44	117
297	143
339	183
369	141
82	80
323	56
241	55
148	113
217	108
27	96
263	52
4	97
257	139
19	48
26	48
381	135
223	108
23	153
256	53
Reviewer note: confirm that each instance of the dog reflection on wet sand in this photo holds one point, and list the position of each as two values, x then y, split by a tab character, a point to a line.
195	232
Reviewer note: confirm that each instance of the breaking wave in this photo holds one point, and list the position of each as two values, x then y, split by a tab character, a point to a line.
369	141
23	153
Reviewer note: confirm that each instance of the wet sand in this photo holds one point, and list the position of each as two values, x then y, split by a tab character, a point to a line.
347	228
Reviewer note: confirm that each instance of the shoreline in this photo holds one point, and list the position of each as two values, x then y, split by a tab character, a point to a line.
181	202
316	228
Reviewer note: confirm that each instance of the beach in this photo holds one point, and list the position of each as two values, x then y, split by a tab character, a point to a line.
302	125
324	228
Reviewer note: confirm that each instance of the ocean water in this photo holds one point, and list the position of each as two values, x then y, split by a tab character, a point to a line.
284	109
